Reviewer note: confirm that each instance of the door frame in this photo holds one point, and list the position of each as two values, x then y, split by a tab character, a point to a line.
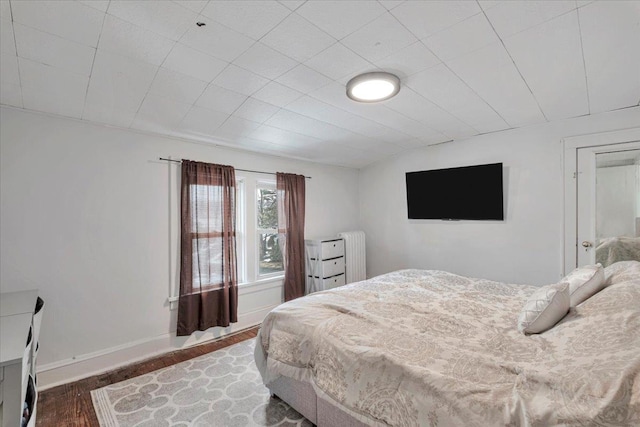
599	142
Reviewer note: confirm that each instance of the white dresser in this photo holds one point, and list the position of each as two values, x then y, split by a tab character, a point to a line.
325	263
19	329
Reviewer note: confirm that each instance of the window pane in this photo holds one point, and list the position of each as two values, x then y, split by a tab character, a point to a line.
206	208
207	262
270	254
267	208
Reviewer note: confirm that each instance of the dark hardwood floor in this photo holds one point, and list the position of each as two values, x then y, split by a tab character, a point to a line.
70	404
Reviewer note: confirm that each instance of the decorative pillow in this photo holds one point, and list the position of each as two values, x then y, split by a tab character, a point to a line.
584	282
544	308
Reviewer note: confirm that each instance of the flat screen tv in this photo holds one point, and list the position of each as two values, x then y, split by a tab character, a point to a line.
464	193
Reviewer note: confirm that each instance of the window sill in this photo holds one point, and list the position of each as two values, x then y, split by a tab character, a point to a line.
245	288
262	281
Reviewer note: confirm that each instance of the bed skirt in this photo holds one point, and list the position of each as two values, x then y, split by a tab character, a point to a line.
303	398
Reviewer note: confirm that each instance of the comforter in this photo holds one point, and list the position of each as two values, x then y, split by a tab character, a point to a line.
432	348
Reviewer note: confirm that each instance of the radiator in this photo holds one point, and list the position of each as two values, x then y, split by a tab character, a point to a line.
355	255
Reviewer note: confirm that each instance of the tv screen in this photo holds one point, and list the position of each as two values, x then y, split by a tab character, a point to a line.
471	192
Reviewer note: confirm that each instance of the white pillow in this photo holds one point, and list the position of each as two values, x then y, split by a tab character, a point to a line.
544	308
584	282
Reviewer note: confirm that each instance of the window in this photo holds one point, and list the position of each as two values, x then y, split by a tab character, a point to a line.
241	230
268	248
207	268
206	236
259	254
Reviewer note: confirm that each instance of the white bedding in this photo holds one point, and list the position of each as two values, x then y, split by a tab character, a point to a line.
428	348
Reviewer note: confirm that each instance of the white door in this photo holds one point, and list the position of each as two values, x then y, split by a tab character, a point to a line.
608	203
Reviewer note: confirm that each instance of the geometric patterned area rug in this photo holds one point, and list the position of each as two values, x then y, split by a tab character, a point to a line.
222	388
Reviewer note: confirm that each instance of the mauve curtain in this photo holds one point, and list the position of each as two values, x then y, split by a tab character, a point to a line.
208	271
291	193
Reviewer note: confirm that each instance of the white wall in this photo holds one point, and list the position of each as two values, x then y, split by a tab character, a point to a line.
90	217
525	248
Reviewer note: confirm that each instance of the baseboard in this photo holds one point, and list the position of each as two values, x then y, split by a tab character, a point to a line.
90	364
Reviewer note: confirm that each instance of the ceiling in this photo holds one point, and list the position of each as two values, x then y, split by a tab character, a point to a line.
270	76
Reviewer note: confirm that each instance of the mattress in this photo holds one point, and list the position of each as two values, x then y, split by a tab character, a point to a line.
417	347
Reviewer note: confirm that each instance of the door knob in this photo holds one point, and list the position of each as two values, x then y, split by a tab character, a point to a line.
586	244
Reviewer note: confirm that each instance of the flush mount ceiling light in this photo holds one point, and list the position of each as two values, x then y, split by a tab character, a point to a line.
373	87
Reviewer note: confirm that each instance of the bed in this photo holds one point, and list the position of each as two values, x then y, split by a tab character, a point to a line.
417	347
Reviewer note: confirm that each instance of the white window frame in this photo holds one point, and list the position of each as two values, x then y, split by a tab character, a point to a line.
270	185
246	234
241	230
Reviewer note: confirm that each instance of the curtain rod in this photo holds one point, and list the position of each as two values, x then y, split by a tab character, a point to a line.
243	170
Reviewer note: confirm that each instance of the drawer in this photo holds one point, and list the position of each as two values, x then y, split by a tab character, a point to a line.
333	282
332	267
332	249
